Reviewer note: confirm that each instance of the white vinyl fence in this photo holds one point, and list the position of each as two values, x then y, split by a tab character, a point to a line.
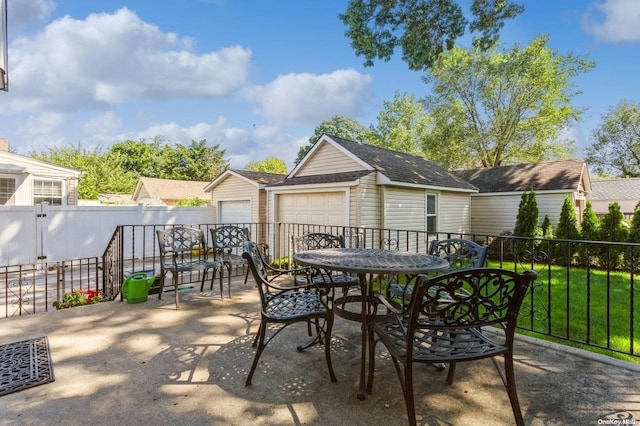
43	233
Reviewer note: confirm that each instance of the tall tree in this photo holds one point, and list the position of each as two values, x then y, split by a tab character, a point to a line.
498	106
423	29
194	162
527	219
340	126
268	165
615	144
402	126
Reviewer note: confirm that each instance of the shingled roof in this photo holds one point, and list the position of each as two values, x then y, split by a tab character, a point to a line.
260	177
615	189
543	176
169	190
398	167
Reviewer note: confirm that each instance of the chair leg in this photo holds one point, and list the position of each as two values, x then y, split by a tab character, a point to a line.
221	280
229	281
163	275
511	388
327	347
372	357
175	286
261	346
408	393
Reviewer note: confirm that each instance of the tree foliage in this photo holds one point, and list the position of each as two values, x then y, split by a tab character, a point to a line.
612	228
118	169
268	165
634	231
567	228
402	126
423	29
590	226
343	127
615	143
496	106
527	219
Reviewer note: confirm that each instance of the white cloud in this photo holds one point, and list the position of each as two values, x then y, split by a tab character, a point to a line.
24	13
116	58
310	99
614	20
40	129
103	124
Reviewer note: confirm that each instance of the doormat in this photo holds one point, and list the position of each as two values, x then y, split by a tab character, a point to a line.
25	364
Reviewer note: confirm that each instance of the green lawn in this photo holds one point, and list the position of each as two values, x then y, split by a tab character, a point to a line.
576	308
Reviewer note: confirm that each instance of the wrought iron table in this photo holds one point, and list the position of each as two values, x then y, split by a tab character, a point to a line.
365	262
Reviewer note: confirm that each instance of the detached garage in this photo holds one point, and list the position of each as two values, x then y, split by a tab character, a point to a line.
238	196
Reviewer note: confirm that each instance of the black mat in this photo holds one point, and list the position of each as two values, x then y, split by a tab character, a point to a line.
25	364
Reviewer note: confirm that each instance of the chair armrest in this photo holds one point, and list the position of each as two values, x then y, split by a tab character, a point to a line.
392	307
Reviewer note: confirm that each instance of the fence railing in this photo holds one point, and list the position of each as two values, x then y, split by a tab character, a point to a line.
586	292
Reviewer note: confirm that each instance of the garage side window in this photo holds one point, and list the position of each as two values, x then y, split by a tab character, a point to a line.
432	222
7	190
47	190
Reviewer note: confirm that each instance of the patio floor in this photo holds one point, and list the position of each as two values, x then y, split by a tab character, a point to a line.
148	363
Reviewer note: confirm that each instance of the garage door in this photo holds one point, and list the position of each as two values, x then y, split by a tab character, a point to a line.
234	212
318	208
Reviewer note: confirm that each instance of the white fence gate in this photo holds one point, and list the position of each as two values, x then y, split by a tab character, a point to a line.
43	233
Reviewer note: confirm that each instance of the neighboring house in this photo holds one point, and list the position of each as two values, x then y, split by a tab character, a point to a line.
153	191
345	183
239	196
495	208
25	181
604	192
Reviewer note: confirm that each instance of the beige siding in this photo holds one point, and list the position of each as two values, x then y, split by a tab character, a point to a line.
453	212
232	189
328	159
369	199
494	214
404	209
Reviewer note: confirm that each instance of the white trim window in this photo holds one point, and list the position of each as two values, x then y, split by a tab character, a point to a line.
7	191
49	191
431	214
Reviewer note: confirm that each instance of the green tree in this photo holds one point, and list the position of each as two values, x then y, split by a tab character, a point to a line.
343	127
615	144
140	157
402	126
496	106
547	229
589	230
423	29
634	231
567	229
268	165
614	229
194	162
527	219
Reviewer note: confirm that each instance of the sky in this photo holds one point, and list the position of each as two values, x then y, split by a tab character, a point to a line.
254	77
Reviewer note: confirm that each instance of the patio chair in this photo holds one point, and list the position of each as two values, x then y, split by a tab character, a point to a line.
228	244
460	253
285	305
182	249
460	316
316	241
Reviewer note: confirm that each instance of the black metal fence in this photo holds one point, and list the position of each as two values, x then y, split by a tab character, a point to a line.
586	292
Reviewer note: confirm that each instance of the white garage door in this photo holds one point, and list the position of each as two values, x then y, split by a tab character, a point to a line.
234	211
318	208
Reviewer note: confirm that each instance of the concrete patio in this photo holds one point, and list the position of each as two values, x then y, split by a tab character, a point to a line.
148	363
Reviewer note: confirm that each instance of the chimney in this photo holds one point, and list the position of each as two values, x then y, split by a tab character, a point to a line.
4	144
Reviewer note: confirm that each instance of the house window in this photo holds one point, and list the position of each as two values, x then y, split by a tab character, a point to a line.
7	190
432	223
49	191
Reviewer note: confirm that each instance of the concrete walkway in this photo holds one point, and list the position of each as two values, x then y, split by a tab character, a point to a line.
137	364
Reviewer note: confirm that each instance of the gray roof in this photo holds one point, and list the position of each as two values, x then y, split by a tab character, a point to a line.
543	176
261	177
328	178
615	189
401	167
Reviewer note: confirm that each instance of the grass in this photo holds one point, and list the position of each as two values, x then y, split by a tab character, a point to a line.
594	310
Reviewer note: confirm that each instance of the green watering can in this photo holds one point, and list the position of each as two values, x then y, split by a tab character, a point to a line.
136	287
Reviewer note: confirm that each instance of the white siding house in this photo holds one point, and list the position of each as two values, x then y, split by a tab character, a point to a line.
25	181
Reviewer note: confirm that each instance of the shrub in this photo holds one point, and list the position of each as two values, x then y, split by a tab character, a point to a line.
78	298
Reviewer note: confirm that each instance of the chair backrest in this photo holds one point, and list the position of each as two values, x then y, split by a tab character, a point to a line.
469	298
182	241
460	253
316	241
257	266
228	239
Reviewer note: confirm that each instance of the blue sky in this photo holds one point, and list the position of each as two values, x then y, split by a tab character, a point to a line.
253	76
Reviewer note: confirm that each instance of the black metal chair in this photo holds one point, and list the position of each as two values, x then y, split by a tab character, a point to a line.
228	244
182	249
460	316
316	241
287	305
460	253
